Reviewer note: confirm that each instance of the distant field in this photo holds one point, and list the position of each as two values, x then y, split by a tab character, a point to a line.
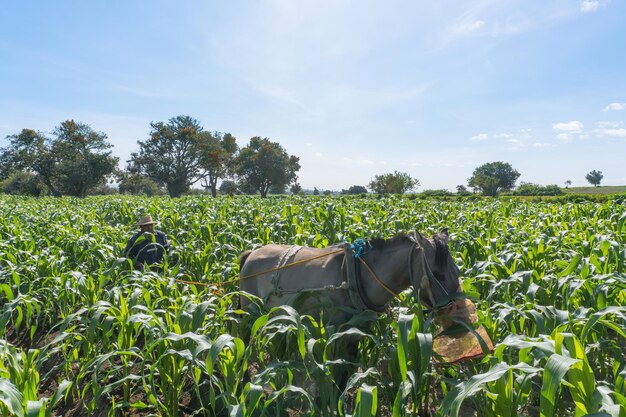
596	190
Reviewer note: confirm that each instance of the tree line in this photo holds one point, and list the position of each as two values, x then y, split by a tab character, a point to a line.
75	160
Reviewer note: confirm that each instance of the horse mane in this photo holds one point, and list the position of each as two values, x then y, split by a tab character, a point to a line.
379	243
441	247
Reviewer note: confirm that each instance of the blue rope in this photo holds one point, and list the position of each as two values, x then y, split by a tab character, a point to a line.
358	248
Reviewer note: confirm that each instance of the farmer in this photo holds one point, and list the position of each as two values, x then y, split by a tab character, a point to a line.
147	246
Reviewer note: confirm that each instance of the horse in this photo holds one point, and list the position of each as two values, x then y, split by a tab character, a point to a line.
339	281
366	275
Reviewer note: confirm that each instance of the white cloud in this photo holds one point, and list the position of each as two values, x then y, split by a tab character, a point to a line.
480	136
318	154
565	137
620	133
587	6
605	124
615	106
543	145
475	25
573	126
308	144
366	162
505	135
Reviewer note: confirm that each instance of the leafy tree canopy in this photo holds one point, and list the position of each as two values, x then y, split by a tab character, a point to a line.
295	189
229	187
23	183
73	161
594	177
393	183
493	177
263	164
173	154
217	153
355	189
138	185
278	189
527	188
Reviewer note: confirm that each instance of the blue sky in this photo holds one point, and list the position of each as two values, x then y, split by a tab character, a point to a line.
354	88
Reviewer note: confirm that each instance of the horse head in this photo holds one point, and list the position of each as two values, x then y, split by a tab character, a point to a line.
439	272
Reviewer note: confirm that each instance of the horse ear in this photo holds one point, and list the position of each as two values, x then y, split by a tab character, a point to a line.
443	235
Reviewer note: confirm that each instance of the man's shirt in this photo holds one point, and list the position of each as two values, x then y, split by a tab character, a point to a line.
147	248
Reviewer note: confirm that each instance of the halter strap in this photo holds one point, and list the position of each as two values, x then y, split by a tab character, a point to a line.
425	284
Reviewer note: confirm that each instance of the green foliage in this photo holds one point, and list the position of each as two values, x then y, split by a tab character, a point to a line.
229	187
138	185
493	177
437	193
594	177
217	152
278	189
462	190
527	189
549	278
393	183
355	189
174	155
296	189
73	161
263	164
23	183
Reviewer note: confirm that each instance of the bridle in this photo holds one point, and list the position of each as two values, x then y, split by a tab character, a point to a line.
425	284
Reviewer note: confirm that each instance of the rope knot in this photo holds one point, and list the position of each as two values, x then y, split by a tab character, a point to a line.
358	248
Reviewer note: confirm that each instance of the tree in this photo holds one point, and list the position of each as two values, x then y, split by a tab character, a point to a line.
229	187
594	177
138	185
263	164
246	187
355	189
393	183
316	191
493	177
29	151
568	183
73	161
23	183
217	152
295	189
278	189
173	154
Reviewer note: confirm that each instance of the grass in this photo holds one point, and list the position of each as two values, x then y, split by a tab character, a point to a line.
606	189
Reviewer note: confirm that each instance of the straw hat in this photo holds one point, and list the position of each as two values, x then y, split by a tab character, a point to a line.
144	221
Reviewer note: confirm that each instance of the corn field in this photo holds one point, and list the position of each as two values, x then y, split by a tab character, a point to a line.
83	333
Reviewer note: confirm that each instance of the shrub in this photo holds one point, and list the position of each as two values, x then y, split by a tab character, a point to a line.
24	183
527	188
437	193
138	185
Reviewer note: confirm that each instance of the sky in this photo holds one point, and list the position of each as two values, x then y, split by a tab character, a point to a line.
354	88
